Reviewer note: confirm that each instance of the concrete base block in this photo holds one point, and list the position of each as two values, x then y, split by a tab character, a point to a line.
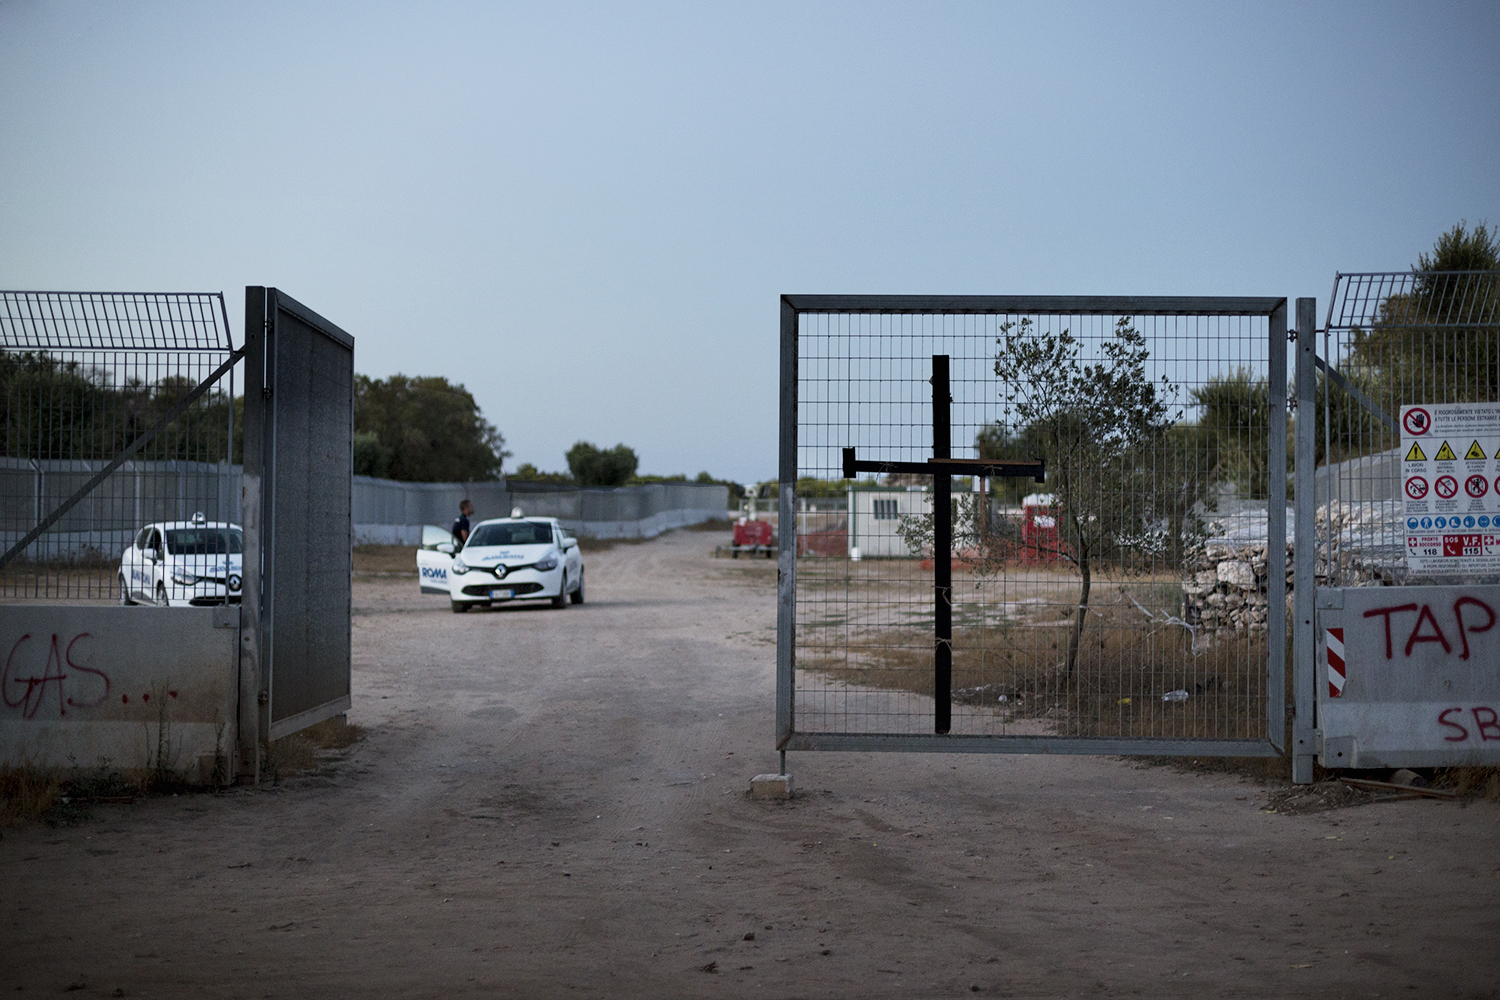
771	786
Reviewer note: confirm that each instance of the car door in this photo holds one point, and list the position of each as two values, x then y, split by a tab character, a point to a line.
130	564
155	558
573	555
433	561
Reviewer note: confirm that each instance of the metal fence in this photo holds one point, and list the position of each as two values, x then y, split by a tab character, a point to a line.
1393	341
392	513
1123	605
116	410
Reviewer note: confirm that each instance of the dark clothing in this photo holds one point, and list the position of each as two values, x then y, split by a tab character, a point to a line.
461	530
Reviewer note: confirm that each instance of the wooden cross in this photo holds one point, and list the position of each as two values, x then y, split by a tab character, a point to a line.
943	467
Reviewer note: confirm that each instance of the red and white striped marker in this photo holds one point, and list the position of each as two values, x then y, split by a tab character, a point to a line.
1335	662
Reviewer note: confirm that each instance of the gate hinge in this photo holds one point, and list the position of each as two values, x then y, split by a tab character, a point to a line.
265	392
264	699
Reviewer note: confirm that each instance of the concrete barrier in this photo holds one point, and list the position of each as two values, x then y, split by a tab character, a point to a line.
136	688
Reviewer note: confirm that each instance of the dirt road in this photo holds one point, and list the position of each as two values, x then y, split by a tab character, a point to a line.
554	803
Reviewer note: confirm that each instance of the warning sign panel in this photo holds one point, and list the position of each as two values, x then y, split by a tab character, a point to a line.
1452	503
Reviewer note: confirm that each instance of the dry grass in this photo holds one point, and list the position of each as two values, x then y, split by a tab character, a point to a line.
1014	662
718	524
302	751
61	581
27	793
385	560
1469	782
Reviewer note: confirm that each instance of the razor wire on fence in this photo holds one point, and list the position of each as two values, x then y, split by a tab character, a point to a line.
1395	342
134	391
1124	604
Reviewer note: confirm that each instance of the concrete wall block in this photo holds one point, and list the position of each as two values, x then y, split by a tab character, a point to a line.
83	685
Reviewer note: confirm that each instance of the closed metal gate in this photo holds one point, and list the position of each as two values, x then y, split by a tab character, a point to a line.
1396	665
1131	602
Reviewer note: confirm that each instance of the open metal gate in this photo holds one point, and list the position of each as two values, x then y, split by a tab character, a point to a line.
299	382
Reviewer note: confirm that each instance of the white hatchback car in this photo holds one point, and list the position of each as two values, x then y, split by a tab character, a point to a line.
507	559
175	564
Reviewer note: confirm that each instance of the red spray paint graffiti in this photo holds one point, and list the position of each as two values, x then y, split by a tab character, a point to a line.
1426	629
1486	722
76	686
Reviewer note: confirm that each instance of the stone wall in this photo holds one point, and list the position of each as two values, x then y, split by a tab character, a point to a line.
1228	586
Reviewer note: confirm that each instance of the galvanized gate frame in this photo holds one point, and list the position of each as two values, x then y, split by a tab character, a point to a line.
321	689
1304	567
793	306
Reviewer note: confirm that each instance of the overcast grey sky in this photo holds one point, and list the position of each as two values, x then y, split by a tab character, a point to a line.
585	213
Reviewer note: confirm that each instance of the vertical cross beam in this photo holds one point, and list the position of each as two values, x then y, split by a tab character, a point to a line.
942	548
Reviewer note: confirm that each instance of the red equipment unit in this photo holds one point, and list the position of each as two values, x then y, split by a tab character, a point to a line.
752	537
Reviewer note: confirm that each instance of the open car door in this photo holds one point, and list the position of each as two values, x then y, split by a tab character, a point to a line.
434	558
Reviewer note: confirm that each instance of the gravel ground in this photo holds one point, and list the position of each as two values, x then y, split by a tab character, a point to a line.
555	803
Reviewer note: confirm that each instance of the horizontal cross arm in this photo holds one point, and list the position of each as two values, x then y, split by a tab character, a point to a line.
950	466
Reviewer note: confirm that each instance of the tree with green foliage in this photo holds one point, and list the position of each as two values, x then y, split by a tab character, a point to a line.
1099	426
423	429
528	473
1439	343
595	466
1104	430
59	409
1231	434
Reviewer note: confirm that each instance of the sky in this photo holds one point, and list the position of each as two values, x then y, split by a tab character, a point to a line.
585	213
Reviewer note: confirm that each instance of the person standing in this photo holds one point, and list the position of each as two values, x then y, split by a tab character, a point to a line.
461	525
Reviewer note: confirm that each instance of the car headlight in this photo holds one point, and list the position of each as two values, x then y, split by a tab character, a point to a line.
547	562
184	579
459	566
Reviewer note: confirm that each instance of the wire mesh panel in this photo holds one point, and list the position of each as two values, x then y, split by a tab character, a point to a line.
1122	604
1394	343
104	395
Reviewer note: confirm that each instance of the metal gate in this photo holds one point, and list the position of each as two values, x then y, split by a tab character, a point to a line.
115	412
1406	499
117	486
938	598
299	382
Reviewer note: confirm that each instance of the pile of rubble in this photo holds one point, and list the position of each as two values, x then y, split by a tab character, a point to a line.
1228	573
1229	584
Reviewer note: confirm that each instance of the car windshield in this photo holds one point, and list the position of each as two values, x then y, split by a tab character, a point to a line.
204	541
511	533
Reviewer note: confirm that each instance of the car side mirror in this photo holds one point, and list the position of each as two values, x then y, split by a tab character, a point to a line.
446	548
570	543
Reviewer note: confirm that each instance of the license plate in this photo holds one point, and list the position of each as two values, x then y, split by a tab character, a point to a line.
497	593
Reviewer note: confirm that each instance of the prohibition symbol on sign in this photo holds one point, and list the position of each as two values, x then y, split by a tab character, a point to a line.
1446	486
1417	421
1416	487
1476	486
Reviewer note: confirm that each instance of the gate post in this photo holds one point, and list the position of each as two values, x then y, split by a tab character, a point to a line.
1305	584
1276	534
252	730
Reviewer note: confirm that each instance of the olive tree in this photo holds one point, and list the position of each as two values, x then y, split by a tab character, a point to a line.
1098	425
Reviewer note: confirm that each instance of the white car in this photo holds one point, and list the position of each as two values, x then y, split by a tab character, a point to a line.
175	564
506	559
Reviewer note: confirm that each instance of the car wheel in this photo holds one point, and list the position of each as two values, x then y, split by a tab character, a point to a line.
161	596
577	595
561	600
125	600
734	553
459	607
